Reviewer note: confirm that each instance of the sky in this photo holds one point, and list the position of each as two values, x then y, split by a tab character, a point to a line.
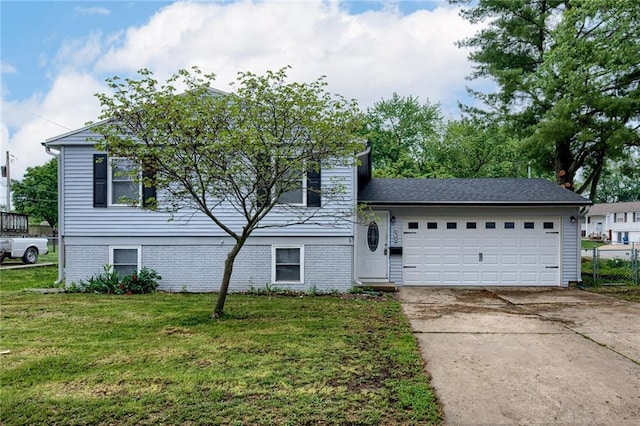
56	55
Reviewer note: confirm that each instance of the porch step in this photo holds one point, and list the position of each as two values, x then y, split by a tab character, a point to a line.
384	287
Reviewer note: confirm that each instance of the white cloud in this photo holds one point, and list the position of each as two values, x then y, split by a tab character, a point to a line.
366	56
92	11
27	123
6	68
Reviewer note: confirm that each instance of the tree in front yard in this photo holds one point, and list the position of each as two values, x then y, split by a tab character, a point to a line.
248	151
37	193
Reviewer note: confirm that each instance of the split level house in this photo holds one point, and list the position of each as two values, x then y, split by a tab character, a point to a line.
618	223
422	232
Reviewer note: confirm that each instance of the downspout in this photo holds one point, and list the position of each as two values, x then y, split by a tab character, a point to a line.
61	248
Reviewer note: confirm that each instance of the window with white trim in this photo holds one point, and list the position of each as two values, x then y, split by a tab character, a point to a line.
122	189
125	259
296	196
619	217
288	264
636	216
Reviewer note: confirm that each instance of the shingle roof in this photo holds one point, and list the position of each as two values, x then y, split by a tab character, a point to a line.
604	208
489	191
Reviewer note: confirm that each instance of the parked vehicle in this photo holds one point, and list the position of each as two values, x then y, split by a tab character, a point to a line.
14	240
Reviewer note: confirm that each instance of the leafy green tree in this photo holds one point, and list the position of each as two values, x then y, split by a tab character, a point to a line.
245	151
620	183
37	193
567	74
401	131
471	148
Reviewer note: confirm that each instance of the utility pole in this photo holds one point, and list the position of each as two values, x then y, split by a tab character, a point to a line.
8	172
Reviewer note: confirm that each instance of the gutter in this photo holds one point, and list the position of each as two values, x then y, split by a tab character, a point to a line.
61	248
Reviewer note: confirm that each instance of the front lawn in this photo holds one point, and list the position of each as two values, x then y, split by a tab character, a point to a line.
159	359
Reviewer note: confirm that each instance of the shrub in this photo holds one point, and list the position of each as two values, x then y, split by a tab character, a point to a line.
109	282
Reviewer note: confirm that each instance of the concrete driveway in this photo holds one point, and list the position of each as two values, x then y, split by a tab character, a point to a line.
529	355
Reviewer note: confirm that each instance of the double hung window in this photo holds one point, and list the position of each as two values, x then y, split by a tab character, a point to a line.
125	259
288	264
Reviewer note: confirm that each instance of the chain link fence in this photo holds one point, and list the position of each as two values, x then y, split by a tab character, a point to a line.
611	265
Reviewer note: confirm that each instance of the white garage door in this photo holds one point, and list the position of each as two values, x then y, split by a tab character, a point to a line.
445	251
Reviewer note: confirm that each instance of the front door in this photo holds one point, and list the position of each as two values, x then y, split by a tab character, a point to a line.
373	259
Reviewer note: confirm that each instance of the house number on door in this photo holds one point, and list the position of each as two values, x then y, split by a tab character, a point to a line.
395	236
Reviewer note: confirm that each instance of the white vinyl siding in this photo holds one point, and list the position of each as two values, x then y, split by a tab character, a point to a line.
82	219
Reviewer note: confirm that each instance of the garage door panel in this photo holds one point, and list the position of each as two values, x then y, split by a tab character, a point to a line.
470	277
529	242
469	259
490	259
451	277
451	259
547	242
451	243
490	277
528	259
509	259
492	242
508	242
528	277
469	243
432	259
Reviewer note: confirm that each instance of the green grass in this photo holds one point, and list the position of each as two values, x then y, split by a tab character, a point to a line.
33	277
589	244
51	256
158	358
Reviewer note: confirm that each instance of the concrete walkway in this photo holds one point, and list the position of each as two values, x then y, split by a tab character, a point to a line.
529	356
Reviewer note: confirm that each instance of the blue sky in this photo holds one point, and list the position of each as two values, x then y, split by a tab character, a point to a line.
55	55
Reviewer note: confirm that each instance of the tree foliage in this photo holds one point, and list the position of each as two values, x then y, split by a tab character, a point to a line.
567	74
401	130
37	193
620	182
410	139
241	151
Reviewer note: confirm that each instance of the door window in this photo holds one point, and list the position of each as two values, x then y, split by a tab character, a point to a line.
373	236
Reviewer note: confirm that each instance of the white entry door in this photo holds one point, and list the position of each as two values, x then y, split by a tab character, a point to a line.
373	251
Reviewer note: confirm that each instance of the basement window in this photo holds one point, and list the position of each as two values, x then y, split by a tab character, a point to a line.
288	265
125	259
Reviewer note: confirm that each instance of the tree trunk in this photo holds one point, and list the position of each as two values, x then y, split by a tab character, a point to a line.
226	278
564	162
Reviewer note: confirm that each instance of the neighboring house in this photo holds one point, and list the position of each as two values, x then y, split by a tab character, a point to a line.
614	222
471	232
